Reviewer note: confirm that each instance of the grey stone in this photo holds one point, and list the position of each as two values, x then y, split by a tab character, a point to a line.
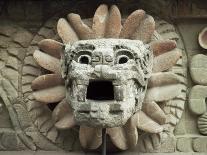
198	65
202	124
119	73
22	37
200	144
184	144
197	99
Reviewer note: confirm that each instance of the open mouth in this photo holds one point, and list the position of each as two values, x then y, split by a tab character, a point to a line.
100	90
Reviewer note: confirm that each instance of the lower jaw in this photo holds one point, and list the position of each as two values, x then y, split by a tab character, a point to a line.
102	114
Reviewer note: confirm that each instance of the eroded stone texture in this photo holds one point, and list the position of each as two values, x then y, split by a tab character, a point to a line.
202	123
198	65
106	60
197	99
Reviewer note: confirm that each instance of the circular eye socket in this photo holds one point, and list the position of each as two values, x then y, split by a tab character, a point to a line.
123	59
84	59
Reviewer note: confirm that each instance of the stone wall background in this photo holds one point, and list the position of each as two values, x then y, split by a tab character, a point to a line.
188	16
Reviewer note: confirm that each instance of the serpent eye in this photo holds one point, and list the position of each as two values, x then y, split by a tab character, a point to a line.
122	59
84	59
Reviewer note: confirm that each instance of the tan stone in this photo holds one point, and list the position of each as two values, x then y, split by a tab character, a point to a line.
50	95
162	46
113	26
99	21
161	79
61	110
48	62
202	124
66	32
118	137
166	61
66	122
132	23
51	47
131	133
90	138
82	30
163	93
145	30
145	123
155	112
46	81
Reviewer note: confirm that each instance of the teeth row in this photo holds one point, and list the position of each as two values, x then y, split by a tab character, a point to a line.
82	90
118	93
140	90
86	108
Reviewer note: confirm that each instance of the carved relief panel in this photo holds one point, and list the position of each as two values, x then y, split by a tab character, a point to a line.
49	80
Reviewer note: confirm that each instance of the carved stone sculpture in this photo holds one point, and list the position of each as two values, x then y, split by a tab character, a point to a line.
135	66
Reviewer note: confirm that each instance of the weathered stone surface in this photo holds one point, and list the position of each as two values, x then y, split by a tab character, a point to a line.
166	60
65	122
46	81
17	52
83	31
90	138
60	110
132	23
6	28
48	62
100	69
155	112
118	137
202	123
12	75
99	21
161	79
51	47
200	144
50	95
144	122
10	141
44	139
66	32
22	37
198	65
197	99
46	32
161	46
163	93
113	26
5	121
13	63
184	144
145	30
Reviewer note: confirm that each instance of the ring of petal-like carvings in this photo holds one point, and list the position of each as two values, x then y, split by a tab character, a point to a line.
166	56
